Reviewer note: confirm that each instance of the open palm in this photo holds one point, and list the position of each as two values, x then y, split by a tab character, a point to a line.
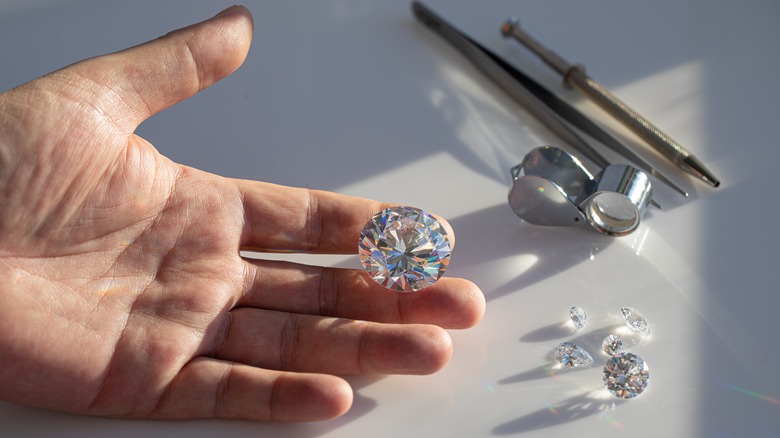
124	293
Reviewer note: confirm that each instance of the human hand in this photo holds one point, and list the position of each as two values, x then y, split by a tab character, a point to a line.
123	291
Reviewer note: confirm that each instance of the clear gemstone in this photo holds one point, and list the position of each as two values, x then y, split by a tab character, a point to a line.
578	317
612	345
572	355
626	375
635	321
404	248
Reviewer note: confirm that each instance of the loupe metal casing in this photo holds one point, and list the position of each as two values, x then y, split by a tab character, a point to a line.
551	187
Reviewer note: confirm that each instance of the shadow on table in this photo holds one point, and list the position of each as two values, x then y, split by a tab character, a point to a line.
590	341
495	233
572	409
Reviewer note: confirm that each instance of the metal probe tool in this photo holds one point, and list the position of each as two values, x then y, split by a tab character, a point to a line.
544	105
575	77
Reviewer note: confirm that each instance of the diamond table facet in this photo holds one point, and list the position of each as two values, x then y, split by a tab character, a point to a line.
404	248
626	375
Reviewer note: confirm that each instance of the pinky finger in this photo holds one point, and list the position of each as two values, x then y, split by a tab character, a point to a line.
210	388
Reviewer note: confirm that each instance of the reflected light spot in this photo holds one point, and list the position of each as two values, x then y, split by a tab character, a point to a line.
139	199
752	393
611	420
105	287
437	97
16	276
553	371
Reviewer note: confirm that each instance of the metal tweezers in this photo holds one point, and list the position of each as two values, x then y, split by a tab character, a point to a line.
542	103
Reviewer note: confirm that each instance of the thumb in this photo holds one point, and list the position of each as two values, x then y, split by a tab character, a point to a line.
138	82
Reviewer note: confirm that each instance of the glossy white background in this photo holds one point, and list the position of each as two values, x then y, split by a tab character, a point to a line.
355	96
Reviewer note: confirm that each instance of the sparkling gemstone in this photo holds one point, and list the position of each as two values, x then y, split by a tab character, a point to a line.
404	248
578	317
572	355
635	321
626	375
612	345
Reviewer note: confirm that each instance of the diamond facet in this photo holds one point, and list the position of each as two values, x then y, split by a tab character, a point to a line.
626	375
578	317
572	355
635	321
612	345
404	248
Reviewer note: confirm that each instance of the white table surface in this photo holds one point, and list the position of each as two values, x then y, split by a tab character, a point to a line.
355	96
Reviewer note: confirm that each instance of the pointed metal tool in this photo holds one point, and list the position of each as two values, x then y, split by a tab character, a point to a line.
552	111
574	76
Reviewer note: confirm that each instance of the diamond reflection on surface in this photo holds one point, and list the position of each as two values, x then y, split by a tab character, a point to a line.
404	248
578	317
635	321
626	375
572	355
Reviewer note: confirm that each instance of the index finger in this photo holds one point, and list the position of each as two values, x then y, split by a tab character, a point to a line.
288	219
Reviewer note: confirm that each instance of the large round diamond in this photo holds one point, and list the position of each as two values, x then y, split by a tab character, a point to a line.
404	248
626	375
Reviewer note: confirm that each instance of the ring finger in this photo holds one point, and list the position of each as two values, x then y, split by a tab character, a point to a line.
307	343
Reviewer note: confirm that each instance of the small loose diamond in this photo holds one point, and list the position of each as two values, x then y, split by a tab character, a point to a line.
578	317
572	355
626	375
612	345
404	249
635	321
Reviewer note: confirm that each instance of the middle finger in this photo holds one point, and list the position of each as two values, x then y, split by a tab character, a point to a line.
345	293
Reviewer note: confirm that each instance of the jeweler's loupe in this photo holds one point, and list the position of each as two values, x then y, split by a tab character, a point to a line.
552	187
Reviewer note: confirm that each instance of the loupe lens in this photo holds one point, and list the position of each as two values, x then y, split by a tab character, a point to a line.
612	213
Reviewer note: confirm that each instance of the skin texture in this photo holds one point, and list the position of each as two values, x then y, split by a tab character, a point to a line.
124	293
